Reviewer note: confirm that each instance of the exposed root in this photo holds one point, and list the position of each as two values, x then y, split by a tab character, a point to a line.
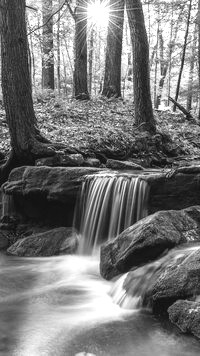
7	167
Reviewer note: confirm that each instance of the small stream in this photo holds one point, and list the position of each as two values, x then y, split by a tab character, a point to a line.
60	306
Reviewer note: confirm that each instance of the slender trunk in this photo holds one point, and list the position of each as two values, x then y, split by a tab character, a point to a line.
80	62
112	76
65	72
58	50
191	70
198	23
156	64
183	54
142	97
47	48
90	59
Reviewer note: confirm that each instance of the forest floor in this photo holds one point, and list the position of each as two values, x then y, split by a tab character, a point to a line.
103	126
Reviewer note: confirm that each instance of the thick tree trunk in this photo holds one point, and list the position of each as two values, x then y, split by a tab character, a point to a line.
112	77
142	97
26	142
47	46
80	62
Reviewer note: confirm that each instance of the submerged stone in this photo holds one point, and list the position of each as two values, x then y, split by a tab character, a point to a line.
186	316
57	241
148	239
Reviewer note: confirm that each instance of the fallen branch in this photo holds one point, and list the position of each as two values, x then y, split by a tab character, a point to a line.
181	108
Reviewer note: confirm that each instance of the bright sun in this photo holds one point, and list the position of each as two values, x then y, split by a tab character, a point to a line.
98	12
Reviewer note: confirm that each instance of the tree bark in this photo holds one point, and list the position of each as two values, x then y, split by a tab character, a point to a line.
58	51
183	55
144	118
26	141
198	24
191	70
112	76
90	60
47	46
80	62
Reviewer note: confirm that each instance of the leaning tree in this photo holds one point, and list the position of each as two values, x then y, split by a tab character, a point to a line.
144	118
27	143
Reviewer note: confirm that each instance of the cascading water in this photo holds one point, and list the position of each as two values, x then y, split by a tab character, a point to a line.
107	206
61	306
129	290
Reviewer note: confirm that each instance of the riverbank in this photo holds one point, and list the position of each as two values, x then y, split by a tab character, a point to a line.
105	128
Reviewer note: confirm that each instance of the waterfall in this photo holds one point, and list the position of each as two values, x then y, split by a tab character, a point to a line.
8	207
108	205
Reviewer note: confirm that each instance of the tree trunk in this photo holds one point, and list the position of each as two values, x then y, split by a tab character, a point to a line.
156	64
183	55
90	59
191	70
198	23
26	142
80	62
47	46
142	97
58	50
112	76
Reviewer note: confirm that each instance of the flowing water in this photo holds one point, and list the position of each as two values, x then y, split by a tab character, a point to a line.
109	204
60	306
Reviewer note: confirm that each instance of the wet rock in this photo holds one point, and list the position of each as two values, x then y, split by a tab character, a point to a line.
57	241
148	239
186	315
179	280
53	183
62	159
92	162
4	241
128	165
175	189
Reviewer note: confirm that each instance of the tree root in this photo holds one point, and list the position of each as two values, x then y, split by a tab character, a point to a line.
11	163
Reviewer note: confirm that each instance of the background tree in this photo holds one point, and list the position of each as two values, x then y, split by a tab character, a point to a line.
142	96
80	60
112	76
198	24
47	45
183	54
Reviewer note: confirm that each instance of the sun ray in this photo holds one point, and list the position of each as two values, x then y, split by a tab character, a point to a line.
98	13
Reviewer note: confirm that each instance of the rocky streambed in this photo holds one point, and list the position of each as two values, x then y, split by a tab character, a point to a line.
38	208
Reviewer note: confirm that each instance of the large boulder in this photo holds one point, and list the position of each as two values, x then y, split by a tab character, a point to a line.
179	280
57	241
148	239
175	189
186	315
44	194
55	183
